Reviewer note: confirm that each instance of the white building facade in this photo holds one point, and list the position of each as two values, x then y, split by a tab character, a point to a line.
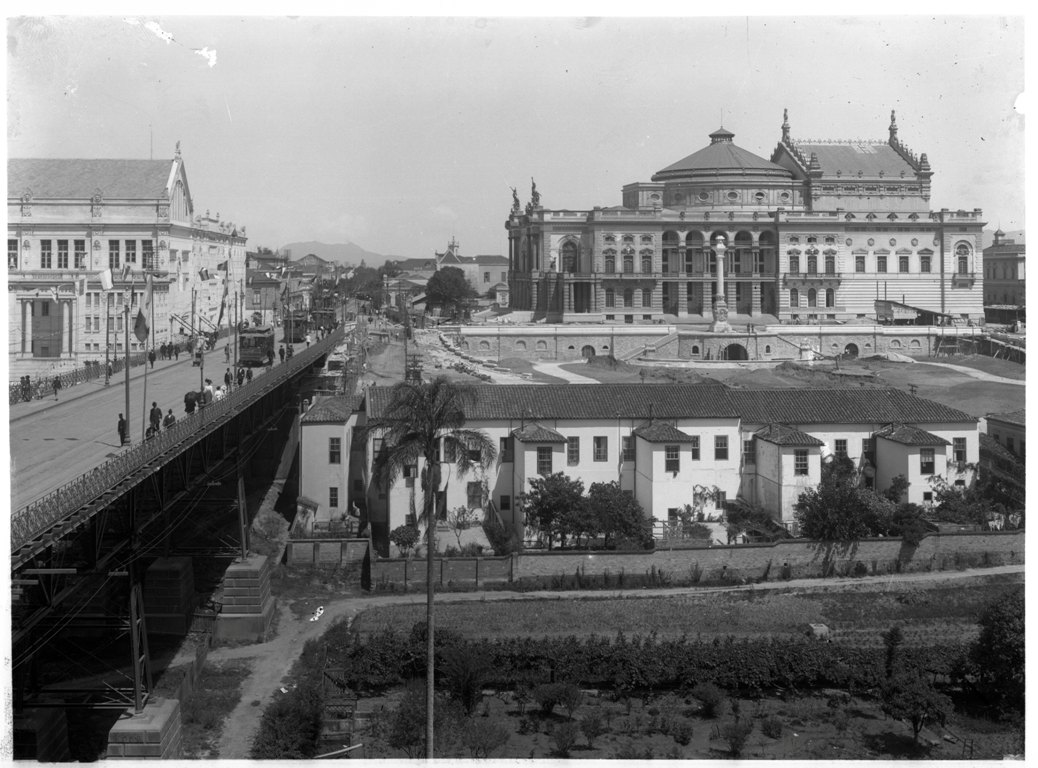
68	220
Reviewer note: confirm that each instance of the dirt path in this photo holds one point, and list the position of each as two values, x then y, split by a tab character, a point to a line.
274	659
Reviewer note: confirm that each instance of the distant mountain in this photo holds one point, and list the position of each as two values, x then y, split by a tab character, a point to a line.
342	253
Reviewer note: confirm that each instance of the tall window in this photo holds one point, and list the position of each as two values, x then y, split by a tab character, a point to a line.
830	265
812	297
841	448
113	254
486	275
573	451
12	254
962	255
646	263
610	297
695	447
812	265
959	449
881	263
569	259
749	454
672	458
720	500
131	251
646	297
334	450
544	460
45	254
333	496
148	253
859	263
62	254
758	262
601	448
610	262
794	264
80	253
628	262
475	494
628	448
830	297
902	263
800	461
794	297
720	448
628	297
924	263
926	461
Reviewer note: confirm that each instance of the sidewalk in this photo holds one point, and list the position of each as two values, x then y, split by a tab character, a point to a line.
24	410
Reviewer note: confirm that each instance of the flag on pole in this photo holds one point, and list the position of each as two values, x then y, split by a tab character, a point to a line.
82	285
203	273
223	302
140	326
222	266
106	280
127	269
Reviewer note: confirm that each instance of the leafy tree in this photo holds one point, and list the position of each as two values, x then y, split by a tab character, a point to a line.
390	269
465	670
405	537
366	284
449	288
910	697
418	417
565	736
835	510
892	640
897	489
743	517
549	501
406	723
620	515
482	738
971	504
998	654
592	726
736	733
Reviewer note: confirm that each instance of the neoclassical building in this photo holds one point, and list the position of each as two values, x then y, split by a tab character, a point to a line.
68	220
819	232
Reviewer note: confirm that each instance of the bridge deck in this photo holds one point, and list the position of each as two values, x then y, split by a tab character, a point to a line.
68	455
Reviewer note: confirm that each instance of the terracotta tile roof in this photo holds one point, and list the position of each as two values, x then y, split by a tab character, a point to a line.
1014	417
906	435
79	179
662	432
782	434
690	401
840	406
869	157
535	433
991	446
331	409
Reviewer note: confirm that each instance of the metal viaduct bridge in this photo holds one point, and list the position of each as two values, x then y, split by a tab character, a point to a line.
105	526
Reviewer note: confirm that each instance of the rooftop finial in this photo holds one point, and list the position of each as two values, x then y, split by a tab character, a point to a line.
178	149
785	124
893	126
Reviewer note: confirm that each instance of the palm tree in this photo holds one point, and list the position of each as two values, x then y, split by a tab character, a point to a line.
418	417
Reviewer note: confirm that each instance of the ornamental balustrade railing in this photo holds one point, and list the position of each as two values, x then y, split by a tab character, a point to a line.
35	518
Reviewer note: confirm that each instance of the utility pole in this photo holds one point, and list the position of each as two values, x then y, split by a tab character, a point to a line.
108	337
126	330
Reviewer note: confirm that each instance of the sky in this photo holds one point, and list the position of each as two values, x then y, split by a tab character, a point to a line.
399	133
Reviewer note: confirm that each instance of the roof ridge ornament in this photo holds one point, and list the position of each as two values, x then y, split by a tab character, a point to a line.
785	124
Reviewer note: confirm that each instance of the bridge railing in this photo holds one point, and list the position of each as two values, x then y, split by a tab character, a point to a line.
36	517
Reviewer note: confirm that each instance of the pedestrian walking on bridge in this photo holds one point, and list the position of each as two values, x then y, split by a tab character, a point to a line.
155	416
248	374
57	386
170	420
151	357
122	430
281	354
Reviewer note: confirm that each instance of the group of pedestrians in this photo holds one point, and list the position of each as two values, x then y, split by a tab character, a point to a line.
240	375
285	354
156	423
26	388
169	351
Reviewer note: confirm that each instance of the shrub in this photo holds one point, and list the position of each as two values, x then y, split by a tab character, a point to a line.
565	736
546	696
405	537
682	732
711	697
859	570
735	734
840	720
771	727
592	727
290	725
627	752
504	541
464	670
570	697
482	738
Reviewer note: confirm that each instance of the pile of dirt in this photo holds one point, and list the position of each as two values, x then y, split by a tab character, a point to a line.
515	364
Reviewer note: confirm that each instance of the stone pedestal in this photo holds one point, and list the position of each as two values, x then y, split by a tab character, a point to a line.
720	324
248	608
41	735
169	595
153	734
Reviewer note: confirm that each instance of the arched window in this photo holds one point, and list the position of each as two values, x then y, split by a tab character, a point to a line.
830	297
794	264
812	265
962	255
520	346
767	349
695	349
812	297
646	261
610	297
628	297
830	265
628	254
646	297
569	256
610	261
794	297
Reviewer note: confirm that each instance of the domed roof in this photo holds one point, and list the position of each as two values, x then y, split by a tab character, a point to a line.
721	158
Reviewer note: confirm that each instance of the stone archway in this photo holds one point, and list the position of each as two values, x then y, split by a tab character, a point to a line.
851	350
735	352
587	352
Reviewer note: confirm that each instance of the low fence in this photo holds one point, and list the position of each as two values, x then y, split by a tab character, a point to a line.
734	564
34	518
43	386
330	552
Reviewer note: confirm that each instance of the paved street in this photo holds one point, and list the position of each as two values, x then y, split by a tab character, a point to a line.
55	442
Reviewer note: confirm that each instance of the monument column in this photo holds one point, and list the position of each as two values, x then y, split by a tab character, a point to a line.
720	324
64	306
27	306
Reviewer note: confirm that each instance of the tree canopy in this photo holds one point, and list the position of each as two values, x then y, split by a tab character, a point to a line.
552	503
620	515
998	654
449	289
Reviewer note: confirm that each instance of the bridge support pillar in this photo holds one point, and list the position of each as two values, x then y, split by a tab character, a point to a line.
41	735
248	608
169	595
154	733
